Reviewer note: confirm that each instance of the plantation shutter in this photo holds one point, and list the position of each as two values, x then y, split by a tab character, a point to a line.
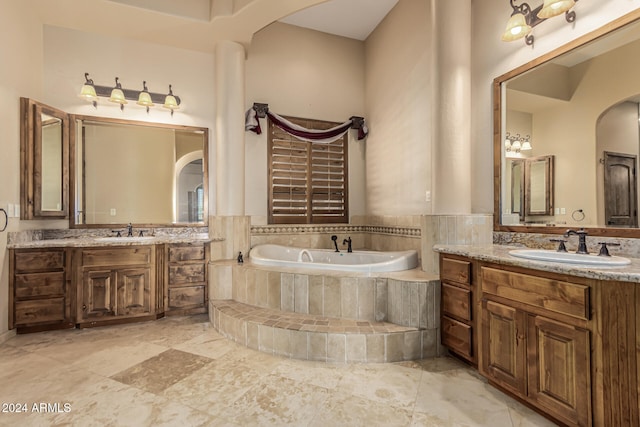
307	181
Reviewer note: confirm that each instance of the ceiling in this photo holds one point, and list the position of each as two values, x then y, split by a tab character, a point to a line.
354	19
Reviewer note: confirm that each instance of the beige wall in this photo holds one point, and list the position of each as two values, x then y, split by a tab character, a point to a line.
398	103
20	75
308	74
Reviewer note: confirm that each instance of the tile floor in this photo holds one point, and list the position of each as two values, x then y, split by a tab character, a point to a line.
179	371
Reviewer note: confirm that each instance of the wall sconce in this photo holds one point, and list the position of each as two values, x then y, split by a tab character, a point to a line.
523	18
117	94
517	143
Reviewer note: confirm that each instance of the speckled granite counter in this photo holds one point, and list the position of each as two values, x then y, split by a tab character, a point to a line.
499	254
97	241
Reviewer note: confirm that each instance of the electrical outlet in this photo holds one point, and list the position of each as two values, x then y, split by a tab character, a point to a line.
427	197
112	212
10	210
16	210
563	211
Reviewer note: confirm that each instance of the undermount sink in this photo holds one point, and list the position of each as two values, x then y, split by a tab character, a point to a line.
570	258
125	239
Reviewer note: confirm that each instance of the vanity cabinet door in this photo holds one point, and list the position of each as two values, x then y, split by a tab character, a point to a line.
98	294
558	358
503	354
116	284
133	292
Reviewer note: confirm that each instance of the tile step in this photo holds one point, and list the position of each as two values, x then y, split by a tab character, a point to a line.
316	337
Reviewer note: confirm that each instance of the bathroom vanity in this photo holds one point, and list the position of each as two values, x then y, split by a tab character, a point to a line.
564	339
67	283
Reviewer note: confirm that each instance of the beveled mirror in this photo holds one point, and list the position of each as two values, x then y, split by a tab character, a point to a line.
44	158
561	101
147	174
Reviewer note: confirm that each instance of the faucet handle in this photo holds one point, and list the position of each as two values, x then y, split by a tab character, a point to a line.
141	233
118	232
561	246
603	248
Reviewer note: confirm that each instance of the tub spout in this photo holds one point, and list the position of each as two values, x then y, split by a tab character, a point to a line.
335	242
348	243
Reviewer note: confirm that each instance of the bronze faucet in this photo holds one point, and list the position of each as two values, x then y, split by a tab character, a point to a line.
582	240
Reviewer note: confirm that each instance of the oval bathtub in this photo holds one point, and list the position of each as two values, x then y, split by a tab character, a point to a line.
328	259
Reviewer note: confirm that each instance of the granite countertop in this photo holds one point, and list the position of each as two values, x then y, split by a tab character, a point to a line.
499	254
93	241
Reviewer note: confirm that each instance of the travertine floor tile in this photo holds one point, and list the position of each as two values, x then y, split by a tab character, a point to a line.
180	372
162	371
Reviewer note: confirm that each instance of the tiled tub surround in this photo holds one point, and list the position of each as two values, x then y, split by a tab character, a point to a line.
328	317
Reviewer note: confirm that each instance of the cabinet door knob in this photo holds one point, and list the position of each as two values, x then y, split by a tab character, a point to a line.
84	307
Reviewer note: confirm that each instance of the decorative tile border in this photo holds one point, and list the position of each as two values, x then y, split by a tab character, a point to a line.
302	229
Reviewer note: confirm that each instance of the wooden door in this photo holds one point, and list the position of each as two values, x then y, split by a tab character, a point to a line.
98	294
503	354
558	370
133	291
620	193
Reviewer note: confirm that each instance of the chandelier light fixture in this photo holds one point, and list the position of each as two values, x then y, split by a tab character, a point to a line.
523	18
119	95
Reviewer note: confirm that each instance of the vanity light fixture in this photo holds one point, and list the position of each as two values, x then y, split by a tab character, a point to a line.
144	98
517	143
88	91
170	101
117	94
523	19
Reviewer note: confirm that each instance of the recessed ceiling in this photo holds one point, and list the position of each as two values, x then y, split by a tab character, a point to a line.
355	19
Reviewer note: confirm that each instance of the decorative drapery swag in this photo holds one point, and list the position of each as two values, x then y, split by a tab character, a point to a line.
252	123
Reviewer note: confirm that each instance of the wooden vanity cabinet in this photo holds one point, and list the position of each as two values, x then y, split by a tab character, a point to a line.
186	278
457	315
115	284
40	292
535	341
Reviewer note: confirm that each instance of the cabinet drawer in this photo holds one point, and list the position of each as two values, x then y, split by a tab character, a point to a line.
553	295
457	336
186	253
117	256
187	297
39	311
39	284
30	261
186	273
456	301
456	271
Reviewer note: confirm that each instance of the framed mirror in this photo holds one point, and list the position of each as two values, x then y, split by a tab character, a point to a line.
147	174
44	154
577	105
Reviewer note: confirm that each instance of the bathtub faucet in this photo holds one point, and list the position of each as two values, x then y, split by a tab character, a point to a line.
335	242
348	243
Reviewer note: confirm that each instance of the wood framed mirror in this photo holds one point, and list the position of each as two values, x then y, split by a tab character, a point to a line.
146	174
44	159
560	100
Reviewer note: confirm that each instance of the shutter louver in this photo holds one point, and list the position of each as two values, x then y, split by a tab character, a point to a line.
307	181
